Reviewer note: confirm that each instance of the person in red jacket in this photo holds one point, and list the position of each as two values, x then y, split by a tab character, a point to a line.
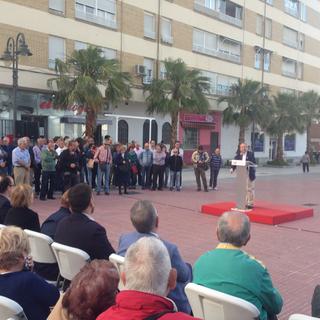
148	278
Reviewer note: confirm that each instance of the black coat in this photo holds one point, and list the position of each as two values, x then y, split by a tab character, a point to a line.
122	166
175	163
250	157
5	205
24	218
65	160
78	231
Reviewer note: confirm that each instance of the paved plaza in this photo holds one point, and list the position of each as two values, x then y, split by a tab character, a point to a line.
291	251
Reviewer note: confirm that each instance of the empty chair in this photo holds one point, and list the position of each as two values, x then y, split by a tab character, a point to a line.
210	304
10	309
301	317
70	260
118	261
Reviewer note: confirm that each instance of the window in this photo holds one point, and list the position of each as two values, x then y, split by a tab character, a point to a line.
109	53
204	42
258	59
57	5
224	84
56	50
269	2
78	45
154	130
102	12
303	12
190	138
123	132
291	7
290	37
290	142
229	49
212	81
149	25
166	32
292	68
166	133
257	140
148	63
259	26
163	71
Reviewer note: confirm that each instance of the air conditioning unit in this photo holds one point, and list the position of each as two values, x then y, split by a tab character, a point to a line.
140	70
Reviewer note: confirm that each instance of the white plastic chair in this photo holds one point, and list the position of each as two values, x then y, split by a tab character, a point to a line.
118	261
10	309
210	304
301	317
70	260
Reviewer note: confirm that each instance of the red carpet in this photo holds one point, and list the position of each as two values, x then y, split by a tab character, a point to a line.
263	212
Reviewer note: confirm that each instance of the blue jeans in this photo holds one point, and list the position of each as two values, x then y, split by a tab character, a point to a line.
175	179
145	172
106	175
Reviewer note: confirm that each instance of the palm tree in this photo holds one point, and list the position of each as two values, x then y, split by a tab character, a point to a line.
182	89
285	118
79	82
245	105
310	104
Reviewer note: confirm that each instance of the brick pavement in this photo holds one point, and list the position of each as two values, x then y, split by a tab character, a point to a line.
290	251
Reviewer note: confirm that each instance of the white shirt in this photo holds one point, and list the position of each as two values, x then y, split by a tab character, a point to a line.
244	157
59	150
138	151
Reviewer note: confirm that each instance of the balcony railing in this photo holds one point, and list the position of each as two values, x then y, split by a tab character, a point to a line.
198	6
107	22
226	55
219	89
147	79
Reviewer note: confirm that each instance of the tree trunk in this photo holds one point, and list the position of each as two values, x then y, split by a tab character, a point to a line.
242	132
279	155
90	122
174	128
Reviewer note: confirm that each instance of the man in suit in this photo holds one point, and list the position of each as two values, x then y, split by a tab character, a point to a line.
79	229
6	184
145	220
245	155
231	270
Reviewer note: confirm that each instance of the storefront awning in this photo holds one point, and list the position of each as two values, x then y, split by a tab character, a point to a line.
82	120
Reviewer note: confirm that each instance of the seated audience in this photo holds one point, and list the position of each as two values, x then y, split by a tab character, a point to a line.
33	293
232	271
20	215
148	278
49	226
79	229
6	184
92	291
146	221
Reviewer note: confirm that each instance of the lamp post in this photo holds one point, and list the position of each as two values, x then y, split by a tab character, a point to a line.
15	48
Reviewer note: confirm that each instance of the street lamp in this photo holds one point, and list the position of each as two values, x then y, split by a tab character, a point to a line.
15	48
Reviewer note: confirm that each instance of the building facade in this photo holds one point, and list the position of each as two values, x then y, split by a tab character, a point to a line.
276	42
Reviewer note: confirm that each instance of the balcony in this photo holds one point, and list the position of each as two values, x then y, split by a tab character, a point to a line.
200	7
107	22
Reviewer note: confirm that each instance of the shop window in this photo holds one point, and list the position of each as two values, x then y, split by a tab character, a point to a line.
290	142
123	132
190	139
166	133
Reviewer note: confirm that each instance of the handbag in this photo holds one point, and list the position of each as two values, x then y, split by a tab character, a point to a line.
90	163
103	166
134	169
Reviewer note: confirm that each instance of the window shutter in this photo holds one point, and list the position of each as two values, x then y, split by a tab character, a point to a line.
290	37
107	5
166	27
198	38
57	5
259	25
149	25
56	50
89	3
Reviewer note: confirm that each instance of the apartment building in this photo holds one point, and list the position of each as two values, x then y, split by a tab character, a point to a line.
276	42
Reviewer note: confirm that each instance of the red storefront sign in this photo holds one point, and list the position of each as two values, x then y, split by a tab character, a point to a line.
198	118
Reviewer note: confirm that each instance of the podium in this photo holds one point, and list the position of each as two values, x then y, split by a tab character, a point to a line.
241	183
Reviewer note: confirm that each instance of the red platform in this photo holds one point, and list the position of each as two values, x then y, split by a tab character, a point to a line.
263	212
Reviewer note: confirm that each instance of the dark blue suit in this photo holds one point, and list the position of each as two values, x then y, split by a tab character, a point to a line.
184	271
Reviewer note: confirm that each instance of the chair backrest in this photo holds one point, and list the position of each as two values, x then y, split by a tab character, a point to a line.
10	309
301	317
210	304
70	260
118	261
40	244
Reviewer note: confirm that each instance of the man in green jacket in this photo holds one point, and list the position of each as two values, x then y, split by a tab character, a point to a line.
230	270
48	163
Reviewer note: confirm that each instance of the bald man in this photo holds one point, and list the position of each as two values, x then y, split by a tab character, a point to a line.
230	270
245	155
